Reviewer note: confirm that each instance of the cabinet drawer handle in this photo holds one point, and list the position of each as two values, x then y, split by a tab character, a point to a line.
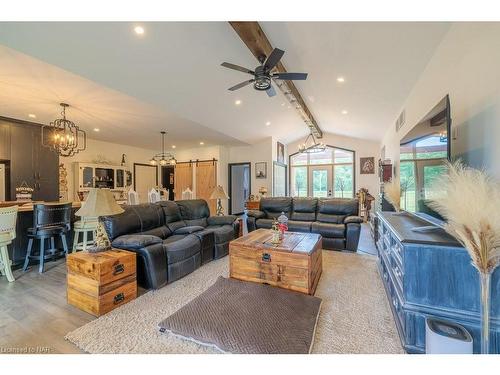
395	303
119	268
266	257
118	298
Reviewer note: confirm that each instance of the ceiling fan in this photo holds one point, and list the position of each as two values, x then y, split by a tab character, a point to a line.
262	74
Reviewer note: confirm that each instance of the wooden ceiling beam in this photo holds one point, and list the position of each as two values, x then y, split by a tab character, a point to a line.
254	38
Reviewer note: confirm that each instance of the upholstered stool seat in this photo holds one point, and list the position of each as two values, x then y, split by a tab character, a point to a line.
49	221
85	226
8	218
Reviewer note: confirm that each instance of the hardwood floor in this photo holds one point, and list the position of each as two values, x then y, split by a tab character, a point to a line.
34	314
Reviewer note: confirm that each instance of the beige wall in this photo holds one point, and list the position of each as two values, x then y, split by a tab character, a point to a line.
465	66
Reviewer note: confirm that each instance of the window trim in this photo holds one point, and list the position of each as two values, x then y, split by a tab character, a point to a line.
330	164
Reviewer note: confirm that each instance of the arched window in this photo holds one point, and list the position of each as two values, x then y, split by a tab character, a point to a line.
329	173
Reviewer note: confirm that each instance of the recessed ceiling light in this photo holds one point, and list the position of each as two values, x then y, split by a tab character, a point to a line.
174	146
202	143
97	129
31	115
237	102
139	30
344	112
268	123
340	79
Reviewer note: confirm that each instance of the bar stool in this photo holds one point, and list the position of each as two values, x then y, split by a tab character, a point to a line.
49	221
85	226
8	218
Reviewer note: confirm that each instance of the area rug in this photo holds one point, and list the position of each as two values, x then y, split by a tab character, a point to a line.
355	315
247	318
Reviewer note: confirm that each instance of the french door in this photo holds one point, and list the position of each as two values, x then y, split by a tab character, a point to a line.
320	181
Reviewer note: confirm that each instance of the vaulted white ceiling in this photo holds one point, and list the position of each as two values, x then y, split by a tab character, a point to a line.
132	86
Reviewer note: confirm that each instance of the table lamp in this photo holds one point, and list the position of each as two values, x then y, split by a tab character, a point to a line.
219	194
100	202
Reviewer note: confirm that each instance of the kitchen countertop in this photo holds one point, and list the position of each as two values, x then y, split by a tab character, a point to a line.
28	206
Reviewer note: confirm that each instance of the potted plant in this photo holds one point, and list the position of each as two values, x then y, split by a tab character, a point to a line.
471	206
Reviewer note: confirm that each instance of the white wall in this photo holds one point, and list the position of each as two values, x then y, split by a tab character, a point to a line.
465	66
111	151
362	148
259	152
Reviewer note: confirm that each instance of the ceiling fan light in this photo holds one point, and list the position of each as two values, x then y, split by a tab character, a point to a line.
173	161
152	161
163	161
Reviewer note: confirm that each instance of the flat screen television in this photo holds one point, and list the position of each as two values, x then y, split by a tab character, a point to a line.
424	151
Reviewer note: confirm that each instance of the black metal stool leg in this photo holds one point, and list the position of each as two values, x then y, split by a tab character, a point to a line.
28	254
65	244
42	255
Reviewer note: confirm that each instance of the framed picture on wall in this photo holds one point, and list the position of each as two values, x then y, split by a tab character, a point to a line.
367	165
280	153
261	170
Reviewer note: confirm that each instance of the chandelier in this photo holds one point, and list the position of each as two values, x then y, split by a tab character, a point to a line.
63	136
311	146
163	158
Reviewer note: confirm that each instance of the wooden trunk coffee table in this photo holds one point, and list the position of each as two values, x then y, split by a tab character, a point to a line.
293	264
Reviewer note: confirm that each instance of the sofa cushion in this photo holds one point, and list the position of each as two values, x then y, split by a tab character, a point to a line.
176	225
189	229
299	226
180	247
264	223
222	233
273	207
304	209
335	210
134	219
221	220
125	223
202	222
162	232
135	241
171	211
329	230
150	216
192	209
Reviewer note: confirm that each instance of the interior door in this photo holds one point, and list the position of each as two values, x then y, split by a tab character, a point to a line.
239	182
183	178
320	181
145	178
206	181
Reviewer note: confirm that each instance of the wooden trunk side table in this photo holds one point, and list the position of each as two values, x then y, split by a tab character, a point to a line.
100	282
294	264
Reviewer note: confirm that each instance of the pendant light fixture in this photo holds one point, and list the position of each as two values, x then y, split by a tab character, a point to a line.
311	145
163	158
63	136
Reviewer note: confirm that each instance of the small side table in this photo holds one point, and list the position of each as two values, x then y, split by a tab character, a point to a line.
252	205
100	282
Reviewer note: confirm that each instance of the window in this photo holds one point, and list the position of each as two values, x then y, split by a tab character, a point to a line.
329	173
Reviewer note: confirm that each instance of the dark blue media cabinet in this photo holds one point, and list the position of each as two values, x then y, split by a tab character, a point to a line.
430	275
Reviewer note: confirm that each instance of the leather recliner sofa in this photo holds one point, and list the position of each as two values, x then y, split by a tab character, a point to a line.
171	239
336	219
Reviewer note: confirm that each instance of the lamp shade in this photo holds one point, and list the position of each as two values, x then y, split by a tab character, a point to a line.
100	202
219	193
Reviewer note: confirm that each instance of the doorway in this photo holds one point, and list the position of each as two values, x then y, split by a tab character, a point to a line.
168	180
239	187
145	179
321	181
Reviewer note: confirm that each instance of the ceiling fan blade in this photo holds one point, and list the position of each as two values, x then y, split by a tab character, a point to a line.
240	85
270	91
290	76
273	59
237	67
